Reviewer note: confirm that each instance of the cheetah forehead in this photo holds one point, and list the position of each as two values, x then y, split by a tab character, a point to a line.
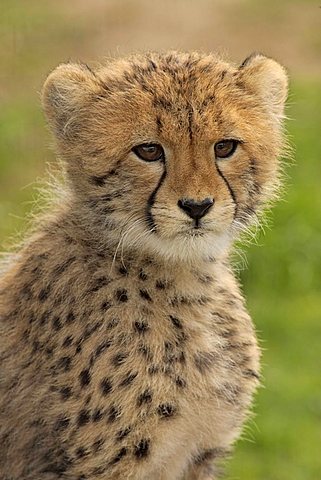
130	95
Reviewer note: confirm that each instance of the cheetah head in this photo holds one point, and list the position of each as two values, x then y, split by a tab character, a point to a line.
173	153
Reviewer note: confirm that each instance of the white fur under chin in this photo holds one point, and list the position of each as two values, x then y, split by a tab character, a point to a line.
186	249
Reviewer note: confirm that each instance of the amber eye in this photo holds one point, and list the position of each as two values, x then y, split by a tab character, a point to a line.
150	152
225	148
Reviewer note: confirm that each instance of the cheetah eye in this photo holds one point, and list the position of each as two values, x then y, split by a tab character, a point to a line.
225	148
150	152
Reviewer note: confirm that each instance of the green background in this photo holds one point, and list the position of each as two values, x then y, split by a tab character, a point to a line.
282	279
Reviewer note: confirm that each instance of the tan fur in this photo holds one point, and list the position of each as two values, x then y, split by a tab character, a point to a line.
126	349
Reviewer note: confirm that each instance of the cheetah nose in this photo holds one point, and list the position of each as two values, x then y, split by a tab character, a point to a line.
194	209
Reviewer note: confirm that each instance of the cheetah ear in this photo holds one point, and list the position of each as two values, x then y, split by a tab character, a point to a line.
64	97
267	79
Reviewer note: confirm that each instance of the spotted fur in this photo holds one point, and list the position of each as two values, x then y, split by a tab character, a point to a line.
126	348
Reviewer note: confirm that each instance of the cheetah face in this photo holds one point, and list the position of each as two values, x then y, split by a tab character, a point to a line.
175	153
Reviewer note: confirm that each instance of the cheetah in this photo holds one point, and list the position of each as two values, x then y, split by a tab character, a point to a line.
126	348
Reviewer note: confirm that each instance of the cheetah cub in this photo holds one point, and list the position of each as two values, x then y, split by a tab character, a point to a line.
126	348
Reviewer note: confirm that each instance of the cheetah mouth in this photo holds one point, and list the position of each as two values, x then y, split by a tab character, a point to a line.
194	232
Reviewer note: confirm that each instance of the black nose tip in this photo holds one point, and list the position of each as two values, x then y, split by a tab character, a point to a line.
194	209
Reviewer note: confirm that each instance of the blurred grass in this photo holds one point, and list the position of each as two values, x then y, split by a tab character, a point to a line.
282	284
282	281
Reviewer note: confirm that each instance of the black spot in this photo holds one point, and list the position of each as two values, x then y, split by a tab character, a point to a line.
102	347
64	363
44	294
176	322
97	415
153	369
100	283
57	461
145	397
128	380
105	386
105	306
119	358
141	450
78	348
99	470
145	295
210	454
145	351
84	378
123	270
63	267
44	318
83	417
67	341
81	452
123	433
161	284
65	393
121	295
62	423
166	410
113	414
36	345
98	181
180	382
141	326
98	444
122	452
70	318
113	322
56	324
49	351
142	275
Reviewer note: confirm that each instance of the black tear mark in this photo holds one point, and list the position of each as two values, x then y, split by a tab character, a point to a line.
228	187
150	202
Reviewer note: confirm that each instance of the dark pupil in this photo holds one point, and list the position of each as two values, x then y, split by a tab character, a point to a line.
150	149
224	146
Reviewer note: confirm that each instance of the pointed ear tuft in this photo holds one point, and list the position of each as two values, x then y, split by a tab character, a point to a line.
267	79
64	95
